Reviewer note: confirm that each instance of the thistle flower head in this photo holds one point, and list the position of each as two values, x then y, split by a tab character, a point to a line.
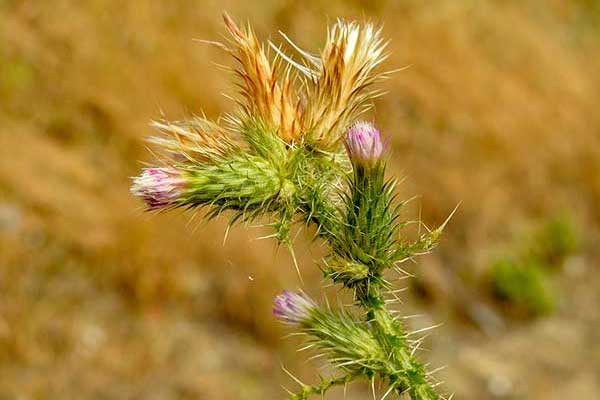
335	85
158	187
363	143
266	88
339	80
292	307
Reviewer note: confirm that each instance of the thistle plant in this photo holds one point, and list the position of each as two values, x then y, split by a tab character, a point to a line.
296	152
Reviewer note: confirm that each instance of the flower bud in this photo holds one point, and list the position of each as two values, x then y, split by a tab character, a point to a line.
159	187
363	143
292	307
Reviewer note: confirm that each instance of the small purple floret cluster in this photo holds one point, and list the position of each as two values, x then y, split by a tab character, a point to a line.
364	144
292	307
159	187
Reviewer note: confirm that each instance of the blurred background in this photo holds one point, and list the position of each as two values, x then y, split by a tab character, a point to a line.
498	110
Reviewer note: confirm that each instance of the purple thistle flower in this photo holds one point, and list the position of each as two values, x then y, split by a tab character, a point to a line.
159	187
363	143
292	307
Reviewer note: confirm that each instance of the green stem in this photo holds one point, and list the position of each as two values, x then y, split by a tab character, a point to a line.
408	374
367	236
325	384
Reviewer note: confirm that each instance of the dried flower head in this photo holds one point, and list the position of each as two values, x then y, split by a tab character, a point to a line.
195	140
336	84
292	307
339	80
363	143
265	97
159	187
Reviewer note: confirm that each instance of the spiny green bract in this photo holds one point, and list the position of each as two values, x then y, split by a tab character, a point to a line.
370	231
367	240
247	184
368	348
269	176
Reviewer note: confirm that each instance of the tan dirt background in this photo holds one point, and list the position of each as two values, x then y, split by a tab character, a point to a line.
98	300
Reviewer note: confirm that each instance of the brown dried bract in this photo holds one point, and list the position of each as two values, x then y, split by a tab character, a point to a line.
265	97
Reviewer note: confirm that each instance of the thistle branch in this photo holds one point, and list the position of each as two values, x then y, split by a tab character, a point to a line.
283	158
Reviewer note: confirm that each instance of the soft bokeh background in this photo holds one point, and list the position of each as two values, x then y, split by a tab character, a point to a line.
498	110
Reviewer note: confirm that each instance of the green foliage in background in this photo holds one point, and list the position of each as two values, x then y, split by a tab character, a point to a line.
524	277
524	284
554	240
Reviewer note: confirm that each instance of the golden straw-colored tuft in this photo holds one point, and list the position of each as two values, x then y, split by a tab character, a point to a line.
275	103
335	87
339	80
341	89
194	140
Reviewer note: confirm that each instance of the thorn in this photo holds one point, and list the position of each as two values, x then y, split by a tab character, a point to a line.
327	305
316	356
412	316
437	370
266	236
402	278
298	381
420	213
397	268
306	347
292	334
388	392
397	299
288	391
415	349
440	228
417	344
373	387
425	329
226	235
291	250
340	365
398	290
